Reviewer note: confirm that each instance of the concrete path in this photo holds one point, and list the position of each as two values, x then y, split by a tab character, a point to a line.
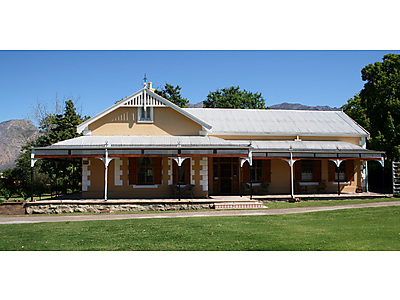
183	214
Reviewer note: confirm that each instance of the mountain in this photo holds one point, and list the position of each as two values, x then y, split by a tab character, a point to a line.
199	104
298	106
285	105
14	134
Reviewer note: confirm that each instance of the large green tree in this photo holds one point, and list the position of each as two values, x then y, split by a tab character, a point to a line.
356	111
380	98
233	97
173	94
377	106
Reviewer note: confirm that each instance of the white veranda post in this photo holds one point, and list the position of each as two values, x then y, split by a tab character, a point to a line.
337	163
106	160
243	160
179	161
291	162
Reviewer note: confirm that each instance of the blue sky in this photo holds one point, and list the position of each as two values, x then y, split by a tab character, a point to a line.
99	78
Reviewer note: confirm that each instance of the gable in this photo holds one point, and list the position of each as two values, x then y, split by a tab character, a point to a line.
124	121
141	99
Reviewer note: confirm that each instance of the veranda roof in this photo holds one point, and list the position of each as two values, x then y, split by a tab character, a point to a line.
317	149
147	141
198	145
86	146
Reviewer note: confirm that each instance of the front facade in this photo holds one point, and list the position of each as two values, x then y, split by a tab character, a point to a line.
146	147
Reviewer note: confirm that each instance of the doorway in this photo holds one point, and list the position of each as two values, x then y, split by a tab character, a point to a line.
226	175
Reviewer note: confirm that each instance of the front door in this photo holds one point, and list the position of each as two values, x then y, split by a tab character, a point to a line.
225	178
226	175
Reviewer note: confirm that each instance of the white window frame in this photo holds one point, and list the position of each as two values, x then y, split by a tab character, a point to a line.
140	110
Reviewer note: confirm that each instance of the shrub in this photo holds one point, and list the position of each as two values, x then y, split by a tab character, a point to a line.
5	193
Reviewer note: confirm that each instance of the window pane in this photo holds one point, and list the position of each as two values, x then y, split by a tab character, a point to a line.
342	172
307	170
145	115
256	171
145	172
142	175
149	175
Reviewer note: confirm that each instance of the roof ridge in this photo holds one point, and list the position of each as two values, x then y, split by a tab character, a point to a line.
261	109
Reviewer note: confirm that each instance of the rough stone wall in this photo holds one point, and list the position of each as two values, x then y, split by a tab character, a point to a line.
98	208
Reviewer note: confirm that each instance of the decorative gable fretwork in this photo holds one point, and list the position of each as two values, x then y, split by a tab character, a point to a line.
143	99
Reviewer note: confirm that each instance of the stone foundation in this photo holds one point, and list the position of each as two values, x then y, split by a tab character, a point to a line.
57	208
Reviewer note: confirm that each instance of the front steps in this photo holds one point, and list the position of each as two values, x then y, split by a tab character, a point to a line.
236	202
236	205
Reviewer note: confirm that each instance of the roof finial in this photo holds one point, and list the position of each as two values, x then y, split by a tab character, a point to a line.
145	81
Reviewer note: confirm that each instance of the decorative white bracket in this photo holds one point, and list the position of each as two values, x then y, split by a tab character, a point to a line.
337	162
179	160
290	161
33	159
382	161
249	159
244	159
106	160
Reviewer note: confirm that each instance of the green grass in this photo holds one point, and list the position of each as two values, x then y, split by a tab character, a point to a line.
35	198
285	204
350	229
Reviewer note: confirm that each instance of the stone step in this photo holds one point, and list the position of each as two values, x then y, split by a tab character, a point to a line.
236	205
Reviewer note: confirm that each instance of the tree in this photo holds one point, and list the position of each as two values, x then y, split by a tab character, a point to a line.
356	111
59	127
53	127
380	97
7	184
233	97
173	94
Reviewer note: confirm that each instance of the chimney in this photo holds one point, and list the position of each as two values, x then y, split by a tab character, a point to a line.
151	87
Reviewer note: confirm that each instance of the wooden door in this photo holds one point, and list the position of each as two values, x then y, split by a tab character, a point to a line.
226	176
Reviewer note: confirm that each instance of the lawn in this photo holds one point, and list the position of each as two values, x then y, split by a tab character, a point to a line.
349	229
285	204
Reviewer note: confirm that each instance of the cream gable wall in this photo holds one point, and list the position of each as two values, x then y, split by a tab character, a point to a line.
123	121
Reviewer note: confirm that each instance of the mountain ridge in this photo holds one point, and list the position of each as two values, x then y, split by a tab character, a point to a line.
14	134
284	105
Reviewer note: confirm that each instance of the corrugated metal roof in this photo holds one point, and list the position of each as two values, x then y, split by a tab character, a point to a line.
147	141
278	122
316	146
174	142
